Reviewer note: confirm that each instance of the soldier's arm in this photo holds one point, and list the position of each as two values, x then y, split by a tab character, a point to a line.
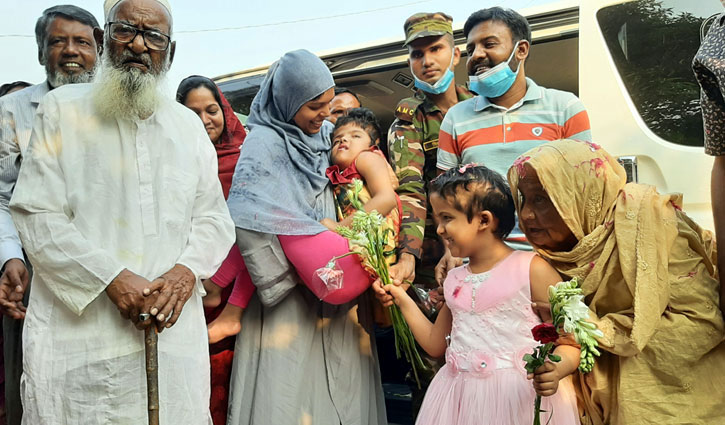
407	158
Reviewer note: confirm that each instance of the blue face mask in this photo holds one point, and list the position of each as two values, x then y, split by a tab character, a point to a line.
441	85
497	80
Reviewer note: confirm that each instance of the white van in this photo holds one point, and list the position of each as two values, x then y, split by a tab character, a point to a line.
629	62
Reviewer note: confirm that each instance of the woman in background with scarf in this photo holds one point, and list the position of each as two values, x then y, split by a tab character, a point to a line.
227	134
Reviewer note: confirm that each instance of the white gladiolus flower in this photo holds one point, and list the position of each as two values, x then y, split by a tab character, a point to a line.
574	308
571	313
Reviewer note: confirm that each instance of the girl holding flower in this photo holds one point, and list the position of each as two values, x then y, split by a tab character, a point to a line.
484	329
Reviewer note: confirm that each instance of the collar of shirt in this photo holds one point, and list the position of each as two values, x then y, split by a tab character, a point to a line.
429	106
533	92
40	90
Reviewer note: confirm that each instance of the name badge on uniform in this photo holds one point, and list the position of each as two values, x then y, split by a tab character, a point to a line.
430	145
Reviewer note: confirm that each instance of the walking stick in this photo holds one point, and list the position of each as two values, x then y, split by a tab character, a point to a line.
151	339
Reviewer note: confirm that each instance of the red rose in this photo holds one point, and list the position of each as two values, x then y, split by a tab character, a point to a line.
545	333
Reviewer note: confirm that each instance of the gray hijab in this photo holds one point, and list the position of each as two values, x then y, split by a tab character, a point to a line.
279	185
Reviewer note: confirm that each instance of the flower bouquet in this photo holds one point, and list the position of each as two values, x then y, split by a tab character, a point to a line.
368	240
569	314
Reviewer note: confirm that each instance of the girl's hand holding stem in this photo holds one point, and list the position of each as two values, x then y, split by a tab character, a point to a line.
387	295
546	378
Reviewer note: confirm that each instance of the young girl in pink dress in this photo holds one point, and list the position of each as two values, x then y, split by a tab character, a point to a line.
484	329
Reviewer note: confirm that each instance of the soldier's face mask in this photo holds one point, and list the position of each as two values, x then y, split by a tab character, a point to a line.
441	85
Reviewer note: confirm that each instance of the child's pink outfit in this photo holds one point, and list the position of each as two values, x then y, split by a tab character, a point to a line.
307	253
484	380
234	270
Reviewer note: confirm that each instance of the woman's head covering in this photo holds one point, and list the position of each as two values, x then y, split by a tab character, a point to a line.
228	148
279	184
582	180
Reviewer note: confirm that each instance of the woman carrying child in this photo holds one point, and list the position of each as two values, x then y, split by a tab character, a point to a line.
484	329
297	360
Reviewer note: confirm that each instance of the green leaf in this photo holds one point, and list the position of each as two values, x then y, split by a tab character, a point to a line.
554	358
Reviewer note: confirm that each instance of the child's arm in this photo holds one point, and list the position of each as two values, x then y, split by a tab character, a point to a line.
546	378
374	170
430	336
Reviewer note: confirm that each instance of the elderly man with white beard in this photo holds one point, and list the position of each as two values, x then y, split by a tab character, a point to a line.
119	208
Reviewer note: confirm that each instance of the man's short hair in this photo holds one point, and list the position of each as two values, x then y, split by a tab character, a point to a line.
8	87
66	11
342	90
517	24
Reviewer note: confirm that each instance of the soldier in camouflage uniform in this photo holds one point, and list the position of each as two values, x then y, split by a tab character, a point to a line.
413	140
413	148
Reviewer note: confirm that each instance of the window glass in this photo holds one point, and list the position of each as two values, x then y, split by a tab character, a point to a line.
652	43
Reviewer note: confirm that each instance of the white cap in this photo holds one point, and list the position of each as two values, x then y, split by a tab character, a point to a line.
108	5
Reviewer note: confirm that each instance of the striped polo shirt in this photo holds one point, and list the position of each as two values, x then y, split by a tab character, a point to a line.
479	131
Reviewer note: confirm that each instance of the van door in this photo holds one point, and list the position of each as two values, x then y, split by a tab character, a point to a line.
642	97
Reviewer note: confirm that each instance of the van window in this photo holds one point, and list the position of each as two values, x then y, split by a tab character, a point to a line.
652	43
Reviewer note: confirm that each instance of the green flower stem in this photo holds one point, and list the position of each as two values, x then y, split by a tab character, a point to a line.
537	410
366	232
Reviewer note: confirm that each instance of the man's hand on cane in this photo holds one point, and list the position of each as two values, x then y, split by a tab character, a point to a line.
126	291
13	283
168	294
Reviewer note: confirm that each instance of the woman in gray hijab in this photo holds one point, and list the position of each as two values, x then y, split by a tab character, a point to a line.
297	360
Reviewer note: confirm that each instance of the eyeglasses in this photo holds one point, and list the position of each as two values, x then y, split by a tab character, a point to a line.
124	33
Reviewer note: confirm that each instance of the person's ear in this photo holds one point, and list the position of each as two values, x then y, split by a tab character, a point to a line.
522	51
376	142
456	57
41	54
173	51
485	220
98	36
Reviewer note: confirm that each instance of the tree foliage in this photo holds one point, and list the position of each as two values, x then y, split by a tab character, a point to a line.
656	69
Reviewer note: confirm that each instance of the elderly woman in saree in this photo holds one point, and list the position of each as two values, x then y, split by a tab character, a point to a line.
298	360
647	273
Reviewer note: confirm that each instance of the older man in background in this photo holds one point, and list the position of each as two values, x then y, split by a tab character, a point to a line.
343	101
68	51
120	209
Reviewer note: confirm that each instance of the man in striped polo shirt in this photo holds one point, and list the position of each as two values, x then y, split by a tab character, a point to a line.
511	113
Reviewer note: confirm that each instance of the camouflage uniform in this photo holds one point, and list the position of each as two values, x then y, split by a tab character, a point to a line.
412	150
